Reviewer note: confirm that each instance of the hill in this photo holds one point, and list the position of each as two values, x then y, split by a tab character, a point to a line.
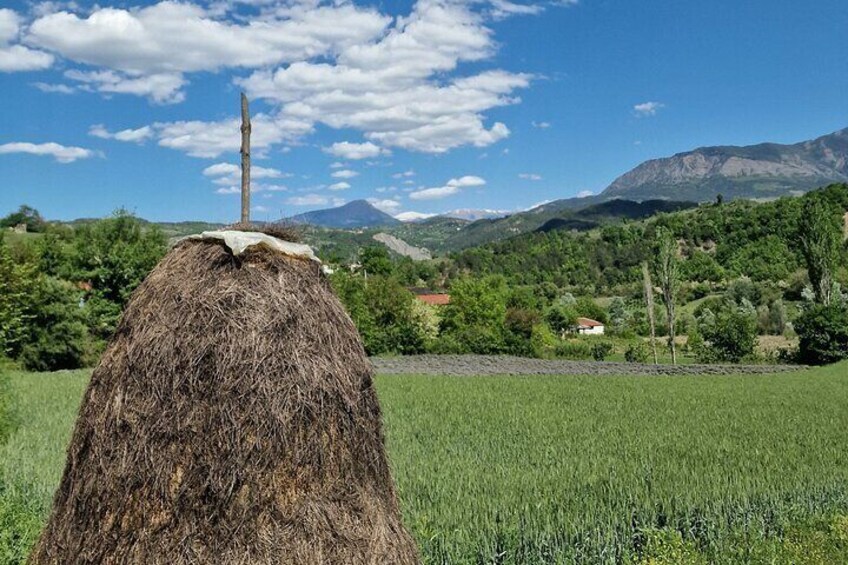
353	215
766	170
574	213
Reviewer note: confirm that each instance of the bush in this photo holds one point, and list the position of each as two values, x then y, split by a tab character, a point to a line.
601	350
731	337
543	342
573	349
823	334
636	353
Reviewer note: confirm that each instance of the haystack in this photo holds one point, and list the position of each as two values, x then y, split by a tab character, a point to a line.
232	419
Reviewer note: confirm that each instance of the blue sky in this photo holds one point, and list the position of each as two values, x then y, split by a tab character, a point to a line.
422	107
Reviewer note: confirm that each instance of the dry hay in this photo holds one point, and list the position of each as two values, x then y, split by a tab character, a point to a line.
232	419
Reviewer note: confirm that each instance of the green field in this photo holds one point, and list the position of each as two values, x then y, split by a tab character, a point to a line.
563	469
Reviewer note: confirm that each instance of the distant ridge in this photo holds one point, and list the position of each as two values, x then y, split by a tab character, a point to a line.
353	215
766	170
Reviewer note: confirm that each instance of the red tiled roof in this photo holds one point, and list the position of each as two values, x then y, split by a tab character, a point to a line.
588	322
434	299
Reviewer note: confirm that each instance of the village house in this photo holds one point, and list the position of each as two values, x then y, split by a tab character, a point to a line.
588	326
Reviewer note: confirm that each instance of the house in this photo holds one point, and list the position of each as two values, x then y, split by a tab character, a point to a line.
589	326
428	296
434	299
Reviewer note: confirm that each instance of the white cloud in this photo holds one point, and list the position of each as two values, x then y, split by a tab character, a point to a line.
344	174
260	208
54	88
228	177
15	57
339	186
584	193
405	174
337	165
61	153
505	8
386	205
646	109
541	125
139	135
161	88
307	200
529	176
412	216
354	151
450	188
391	78
211	139
394	89
171	38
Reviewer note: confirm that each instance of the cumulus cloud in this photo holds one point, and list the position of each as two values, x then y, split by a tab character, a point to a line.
646	109
355	151
584	193
228	177
139	135
62	153
339	186
394	90
15	57
161	88
167	39
541	125
504	8
386	205
529	176
54	88
308	200
344	174
212	139
393	79
450	188
412	216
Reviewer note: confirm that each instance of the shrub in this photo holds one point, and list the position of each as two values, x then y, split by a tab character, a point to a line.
601	350
731	337
543	342
636	353
57	336
573	349
823	334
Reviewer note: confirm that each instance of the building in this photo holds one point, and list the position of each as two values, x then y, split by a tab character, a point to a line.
434	299
428	296
589	326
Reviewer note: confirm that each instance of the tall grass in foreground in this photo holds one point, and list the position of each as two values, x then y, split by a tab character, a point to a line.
645	470
616	469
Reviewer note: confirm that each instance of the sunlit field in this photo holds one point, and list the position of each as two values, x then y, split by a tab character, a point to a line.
560	469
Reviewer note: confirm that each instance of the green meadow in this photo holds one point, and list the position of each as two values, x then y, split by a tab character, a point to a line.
567	469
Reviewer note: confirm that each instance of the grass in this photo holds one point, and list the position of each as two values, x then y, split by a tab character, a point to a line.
646	470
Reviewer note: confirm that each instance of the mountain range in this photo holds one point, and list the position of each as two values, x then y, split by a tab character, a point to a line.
766	170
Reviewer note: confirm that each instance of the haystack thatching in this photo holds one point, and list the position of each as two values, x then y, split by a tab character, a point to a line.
232	419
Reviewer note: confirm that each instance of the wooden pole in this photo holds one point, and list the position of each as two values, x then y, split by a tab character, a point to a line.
245	160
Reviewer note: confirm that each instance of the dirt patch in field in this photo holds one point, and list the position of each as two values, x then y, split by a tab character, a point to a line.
468	365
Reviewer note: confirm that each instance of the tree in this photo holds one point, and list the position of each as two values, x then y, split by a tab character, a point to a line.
667	271
820	237
16	282
649	307
731	337
375	260
25	215
823	334
476	315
